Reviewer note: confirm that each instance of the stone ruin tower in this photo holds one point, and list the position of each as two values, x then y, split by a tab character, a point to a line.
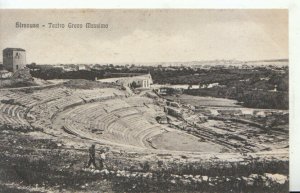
14	59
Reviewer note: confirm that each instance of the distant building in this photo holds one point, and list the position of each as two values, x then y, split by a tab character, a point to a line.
14	59
142	81
82	67
69	68
65	68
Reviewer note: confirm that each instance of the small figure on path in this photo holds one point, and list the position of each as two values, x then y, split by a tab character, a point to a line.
92	157
102	158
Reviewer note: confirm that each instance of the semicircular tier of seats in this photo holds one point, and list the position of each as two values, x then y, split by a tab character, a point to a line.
16	104
12	114
38	107
113	120
46	111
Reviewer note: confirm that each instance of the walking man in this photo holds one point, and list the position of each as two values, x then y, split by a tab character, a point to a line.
102	158
92	156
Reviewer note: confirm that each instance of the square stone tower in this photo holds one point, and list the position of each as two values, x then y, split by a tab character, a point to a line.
14	59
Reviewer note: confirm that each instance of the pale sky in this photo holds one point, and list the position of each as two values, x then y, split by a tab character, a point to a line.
136	36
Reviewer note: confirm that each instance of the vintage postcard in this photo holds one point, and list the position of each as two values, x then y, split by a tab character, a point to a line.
144	100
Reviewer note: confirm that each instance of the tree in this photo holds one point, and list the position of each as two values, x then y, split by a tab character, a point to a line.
134	84
32	65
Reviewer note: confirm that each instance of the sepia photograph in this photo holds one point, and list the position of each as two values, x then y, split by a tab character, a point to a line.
144	100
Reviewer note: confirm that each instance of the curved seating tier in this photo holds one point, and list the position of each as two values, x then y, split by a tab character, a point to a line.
86	112
14	114
113	120
47	110
38	107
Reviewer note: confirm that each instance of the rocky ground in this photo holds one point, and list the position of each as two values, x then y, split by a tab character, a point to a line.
44	164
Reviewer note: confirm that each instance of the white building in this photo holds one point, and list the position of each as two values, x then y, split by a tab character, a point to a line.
142	81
